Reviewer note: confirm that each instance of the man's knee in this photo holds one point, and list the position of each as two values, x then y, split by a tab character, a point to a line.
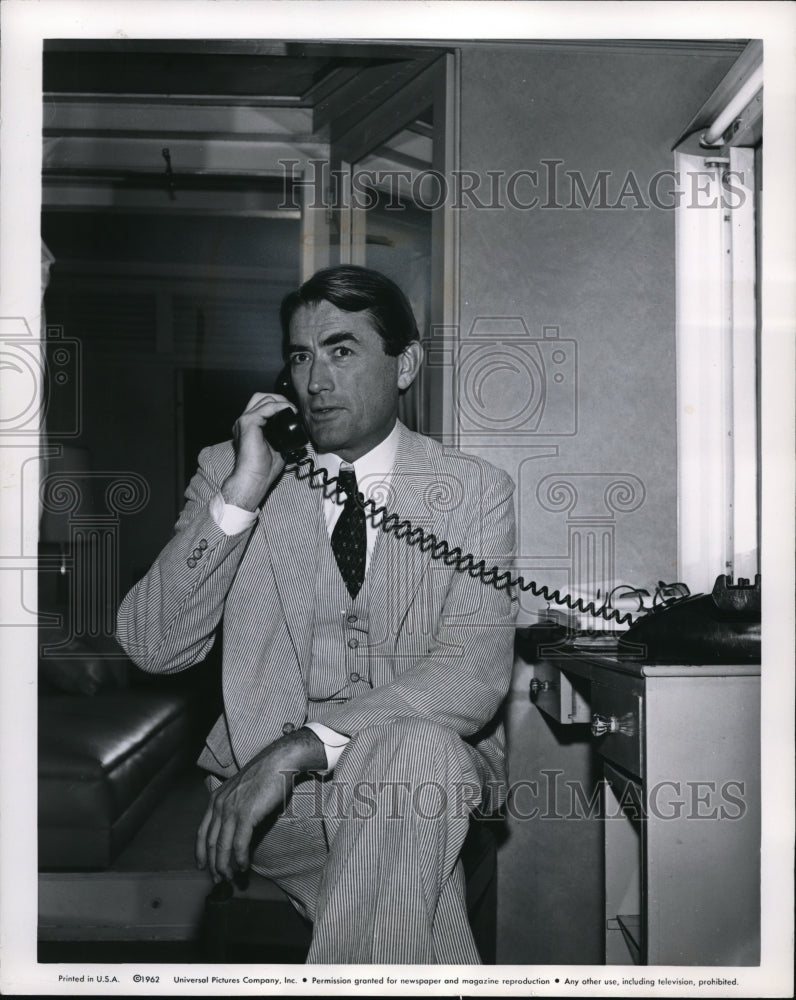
418	760
408	768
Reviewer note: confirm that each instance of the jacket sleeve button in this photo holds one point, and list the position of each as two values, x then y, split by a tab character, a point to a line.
203	544
191	563
288	728
197	553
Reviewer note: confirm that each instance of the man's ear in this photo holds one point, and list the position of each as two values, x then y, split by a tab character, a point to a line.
409	361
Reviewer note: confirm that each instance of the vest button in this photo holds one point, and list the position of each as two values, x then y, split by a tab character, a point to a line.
353	643
354	676
288	728
351	619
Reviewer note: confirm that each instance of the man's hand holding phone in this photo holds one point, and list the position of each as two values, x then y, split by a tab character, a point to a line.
257	464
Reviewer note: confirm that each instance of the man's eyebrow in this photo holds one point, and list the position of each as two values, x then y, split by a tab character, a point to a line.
338	338
331	341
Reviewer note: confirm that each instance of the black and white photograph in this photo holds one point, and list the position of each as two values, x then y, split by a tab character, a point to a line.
397	458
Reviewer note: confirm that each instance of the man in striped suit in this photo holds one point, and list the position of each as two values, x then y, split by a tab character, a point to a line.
362	678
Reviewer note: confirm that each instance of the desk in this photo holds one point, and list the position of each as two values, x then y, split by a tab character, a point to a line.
680	754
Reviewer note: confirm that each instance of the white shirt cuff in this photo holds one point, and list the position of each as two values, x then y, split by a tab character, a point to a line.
334	743
231	519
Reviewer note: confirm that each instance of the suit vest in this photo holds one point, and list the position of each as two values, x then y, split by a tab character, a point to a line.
339	668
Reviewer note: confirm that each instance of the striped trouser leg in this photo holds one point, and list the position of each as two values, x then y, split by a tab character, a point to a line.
392	890
292	848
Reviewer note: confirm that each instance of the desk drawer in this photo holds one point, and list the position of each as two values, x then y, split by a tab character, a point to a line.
618	722
558	695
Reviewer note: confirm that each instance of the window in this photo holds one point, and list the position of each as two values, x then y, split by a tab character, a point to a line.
717	167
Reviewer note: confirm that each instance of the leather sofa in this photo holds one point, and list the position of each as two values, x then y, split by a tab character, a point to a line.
111	740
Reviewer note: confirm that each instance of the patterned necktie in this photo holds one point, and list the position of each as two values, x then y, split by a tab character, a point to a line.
348	538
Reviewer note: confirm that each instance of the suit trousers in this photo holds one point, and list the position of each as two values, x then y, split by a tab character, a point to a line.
370	854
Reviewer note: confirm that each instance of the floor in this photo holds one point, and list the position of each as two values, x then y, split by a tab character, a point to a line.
150	906
166	841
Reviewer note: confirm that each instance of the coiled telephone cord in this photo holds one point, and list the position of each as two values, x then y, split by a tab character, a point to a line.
440	549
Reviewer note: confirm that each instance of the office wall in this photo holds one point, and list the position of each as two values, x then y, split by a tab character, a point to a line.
605	277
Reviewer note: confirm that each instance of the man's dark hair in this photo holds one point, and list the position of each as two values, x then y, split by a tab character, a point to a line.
356	289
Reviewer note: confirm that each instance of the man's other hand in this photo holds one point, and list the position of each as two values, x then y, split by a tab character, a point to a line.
261	786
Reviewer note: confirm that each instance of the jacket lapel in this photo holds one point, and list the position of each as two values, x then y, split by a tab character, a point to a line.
397	567
291	533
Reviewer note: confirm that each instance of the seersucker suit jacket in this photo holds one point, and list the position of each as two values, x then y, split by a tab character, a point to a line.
439	642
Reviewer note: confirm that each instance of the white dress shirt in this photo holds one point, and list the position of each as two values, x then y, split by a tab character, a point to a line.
373	471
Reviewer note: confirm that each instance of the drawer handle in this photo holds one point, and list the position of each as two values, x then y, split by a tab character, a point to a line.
604	724
537	687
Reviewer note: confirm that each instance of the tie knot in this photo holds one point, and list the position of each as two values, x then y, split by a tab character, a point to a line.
347	480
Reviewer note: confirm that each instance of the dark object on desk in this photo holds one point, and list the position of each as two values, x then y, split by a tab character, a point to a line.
532	641
721	627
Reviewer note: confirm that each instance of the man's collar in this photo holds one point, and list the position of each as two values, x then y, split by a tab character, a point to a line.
371	466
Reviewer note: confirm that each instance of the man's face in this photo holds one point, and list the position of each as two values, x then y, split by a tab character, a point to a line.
347	387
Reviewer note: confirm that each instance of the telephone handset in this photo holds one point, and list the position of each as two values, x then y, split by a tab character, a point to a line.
286	434
284	431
